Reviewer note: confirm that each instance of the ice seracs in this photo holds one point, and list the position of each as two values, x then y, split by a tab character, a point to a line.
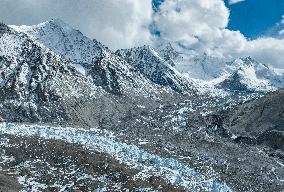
169	169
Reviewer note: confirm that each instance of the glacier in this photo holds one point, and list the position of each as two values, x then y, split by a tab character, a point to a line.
170	169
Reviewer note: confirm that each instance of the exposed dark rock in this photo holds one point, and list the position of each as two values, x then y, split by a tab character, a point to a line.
233	83
9	184
256	122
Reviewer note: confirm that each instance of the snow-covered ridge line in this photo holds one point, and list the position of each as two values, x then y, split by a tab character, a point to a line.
167	168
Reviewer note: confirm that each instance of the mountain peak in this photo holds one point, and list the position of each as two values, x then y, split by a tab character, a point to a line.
65	40
248	60
57	21
153	66
55	24
3	28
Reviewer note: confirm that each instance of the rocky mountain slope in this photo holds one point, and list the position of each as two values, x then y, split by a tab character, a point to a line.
156	68
33	78
163	65
94	60
38	84
260	121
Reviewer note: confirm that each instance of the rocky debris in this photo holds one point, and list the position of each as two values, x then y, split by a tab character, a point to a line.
257	122
234	83
9	184
48	165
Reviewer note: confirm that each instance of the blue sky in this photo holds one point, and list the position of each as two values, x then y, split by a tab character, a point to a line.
253	18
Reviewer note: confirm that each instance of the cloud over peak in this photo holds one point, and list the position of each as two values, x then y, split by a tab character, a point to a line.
199	25
116	23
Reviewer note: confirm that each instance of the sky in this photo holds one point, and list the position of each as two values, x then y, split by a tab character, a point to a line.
255	18
223	28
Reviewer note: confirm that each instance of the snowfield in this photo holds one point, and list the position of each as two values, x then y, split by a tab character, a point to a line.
169	169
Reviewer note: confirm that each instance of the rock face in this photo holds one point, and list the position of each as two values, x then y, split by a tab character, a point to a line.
157	69
3	28
89	57
9	184
32	77
39	85
259	122
234	83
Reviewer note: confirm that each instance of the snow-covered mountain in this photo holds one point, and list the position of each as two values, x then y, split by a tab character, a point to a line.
33	78
44	78
147	67
155	67
94	60
247	74
66	41
243	74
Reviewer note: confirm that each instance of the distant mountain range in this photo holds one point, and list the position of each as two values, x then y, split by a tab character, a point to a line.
162	65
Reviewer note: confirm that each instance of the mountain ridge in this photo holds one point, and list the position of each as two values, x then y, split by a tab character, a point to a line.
184	72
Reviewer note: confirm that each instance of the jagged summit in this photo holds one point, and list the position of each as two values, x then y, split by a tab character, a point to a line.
160	65
252	75
242	74
54	23
3	28
89	57
66	41
156	68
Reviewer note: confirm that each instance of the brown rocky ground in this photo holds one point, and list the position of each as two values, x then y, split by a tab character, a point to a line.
52	163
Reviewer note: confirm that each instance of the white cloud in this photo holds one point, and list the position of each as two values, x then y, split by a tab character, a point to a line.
266	50
116	23
201	26
192	23
235	1
197	24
